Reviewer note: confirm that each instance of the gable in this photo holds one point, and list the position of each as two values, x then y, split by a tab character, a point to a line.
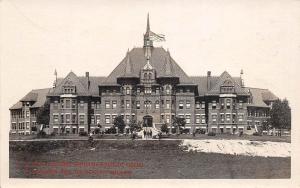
226	83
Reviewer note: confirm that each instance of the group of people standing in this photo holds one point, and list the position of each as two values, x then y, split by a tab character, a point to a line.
148	133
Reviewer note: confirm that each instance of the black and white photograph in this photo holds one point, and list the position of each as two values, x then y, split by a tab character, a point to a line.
178	93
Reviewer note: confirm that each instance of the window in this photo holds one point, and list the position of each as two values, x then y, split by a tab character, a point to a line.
233	118
188	104
114	104
81	119
27	125
168	118
228	103
227	89
222	103
27	114
62	118
147	104
138	104
157	104
127	104
68	118
188	119
227	118
81	104
241	117
168	104
68	103
98	105
197	119
107	119
240	104
203	119
197	104
157	90
73	103
214	104
92	119
97	119
14	126
73	118
222	119
148	90
107	104
127	91
92	105
202	105
113	117
127	118
145	75
214	118
138	90
180	104
168	90
62	103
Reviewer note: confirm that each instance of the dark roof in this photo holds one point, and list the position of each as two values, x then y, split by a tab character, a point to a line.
201	81
260	96
38	96
158	60
81	83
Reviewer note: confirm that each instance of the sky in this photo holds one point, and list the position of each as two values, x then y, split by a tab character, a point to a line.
38	36
260	37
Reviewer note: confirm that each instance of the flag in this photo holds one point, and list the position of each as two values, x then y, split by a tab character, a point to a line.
156	37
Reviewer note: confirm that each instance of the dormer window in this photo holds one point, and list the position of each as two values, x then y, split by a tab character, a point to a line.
69	89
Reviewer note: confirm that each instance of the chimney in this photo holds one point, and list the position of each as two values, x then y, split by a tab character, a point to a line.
242	79
208	80
87	75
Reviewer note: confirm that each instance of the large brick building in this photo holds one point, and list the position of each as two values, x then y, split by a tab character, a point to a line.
149	86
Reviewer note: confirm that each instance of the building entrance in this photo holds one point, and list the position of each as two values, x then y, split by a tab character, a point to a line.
147	121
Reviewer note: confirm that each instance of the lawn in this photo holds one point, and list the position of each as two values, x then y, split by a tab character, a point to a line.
181	136
134	159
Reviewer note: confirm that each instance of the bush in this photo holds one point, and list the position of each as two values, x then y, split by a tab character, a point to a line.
53	134
83	133
211	134
256	134
41	134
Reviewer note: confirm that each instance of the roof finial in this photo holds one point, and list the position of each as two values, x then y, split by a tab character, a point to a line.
148	24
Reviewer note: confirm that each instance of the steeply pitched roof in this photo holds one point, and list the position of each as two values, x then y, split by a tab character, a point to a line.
71	79
38	96
138	61
225	78
260	96
83	82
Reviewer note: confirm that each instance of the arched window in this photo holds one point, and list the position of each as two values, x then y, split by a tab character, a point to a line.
149	76
145	75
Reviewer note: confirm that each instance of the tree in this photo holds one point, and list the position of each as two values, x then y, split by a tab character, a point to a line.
119	123
178	123
164	128
42	115
280	114
135	125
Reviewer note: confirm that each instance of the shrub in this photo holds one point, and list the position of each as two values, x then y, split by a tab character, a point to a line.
41	134
256	134
211	134
53	134
83	133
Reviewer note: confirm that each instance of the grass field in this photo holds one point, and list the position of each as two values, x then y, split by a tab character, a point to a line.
182	136
134	159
